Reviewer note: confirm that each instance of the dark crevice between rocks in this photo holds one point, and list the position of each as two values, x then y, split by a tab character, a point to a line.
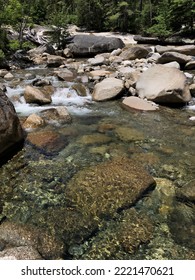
10	152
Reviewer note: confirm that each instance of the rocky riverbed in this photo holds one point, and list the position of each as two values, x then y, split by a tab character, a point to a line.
107	166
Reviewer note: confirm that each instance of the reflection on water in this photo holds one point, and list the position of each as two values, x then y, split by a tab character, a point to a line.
76	191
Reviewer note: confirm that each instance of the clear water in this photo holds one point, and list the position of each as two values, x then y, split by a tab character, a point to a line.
35	181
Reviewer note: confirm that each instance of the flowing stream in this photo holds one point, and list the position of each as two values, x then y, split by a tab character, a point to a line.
162	141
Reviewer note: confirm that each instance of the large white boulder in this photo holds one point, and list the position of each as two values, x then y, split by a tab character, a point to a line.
163	85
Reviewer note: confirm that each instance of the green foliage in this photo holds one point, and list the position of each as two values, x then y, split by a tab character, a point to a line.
15	45
155	17
160	28
120	16
90	13
2	55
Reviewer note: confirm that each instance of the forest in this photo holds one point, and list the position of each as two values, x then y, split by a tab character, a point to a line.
147	17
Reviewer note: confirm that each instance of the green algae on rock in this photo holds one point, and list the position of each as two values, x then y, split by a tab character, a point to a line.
20	235
108	187
120	237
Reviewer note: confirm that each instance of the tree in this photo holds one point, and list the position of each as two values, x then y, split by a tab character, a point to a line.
182	15
17	15
120	16
90	14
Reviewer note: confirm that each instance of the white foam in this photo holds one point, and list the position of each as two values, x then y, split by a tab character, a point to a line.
14	91
69	97
62	97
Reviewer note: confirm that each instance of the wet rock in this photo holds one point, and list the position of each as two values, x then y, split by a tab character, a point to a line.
35	95
56	115
181	223
33	121
65	75
128	134
134	52
103	189
30	76
9	76
187	192
95	138
162	84
137	103
47	141
153	57
55	60
81	89
18	235
134	230
125	235
20	253
11	133
41	83
107	89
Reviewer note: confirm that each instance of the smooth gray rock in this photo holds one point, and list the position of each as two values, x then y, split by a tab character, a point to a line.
88	45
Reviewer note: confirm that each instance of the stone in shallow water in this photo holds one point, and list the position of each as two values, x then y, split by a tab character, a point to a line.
124	235
20	253
187	192
33	121
95	138
108	187
17	235
129	134
35	95
137	103
47	141
57	115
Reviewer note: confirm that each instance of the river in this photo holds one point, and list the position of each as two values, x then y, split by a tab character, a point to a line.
34	181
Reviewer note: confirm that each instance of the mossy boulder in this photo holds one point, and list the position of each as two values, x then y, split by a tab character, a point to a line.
120	237
104	189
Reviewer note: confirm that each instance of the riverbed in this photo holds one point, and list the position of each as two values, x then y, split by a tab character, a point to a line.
35	180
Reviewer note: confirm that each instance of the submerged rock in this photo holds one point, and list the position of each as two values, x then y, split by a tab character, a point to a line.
47	141
104	189
20	253
17	235
125	235
187	192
